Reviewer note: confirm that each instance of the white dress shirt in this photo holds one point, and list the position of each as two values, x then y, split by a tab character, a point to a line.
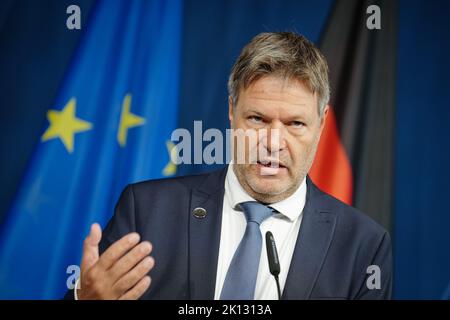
284	226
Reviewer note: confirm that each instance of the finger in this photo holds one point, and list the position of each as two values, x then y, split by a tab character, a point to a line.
90	247
130	260
130	279
138	290
118	249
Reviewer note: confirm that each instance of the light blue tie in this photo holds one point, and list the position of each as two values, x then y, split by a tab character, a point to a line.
240	281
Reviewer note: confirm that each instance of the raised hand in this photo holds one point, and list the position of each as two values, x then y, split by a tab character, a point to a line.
119	273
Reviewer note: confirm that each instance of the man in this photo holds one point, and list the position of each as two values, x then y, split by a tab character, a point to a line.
204	232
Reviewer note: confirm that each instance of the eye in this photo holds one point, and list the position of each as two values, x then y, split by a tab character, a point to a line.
297	124
256	119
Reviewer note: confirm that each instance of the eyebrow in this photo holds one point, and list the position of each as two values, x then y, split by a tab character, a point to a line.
254	111
301	116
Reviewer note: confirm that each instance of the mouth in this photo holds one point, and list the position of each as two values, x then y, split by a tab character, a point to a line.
271	167
271	164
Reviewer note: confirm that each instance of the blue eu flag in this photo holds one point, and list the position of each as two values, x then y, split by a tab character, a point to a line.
110	125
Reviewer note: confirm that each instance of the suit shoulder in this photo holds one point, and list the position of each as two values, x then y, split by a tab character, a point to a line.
352	218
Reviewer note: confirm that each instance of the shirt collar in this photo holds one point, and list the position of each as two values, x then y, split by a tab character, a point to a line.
290	207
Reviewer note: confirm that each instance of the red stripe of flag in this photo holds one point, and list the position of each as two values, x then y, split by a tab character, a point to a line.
331	170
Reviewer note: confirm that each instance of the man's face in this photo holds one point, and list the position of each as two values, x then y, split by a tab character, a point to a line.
288	106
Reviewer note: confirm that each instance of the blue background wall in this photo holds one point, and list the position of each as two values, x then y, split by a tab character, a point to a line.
422	171
35	49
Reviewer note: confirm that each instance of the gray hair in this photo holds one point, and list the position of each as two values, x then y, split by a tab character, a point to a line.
285	54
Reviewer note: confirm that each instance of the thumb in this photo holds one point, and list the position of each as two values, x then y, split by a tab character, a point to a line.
90	247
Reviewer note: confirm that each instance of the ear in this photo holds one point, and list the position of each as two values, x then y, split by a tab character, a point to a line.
230	111
324	117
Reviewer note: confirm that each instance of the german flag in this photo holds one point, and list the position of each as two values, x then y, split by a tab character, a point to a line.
354	160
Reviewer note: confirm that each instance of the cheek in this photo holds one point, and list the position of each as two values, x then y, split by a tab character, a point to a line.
300	148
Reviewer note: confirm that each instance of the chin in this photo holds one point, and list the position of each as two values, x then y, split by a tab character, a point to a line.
262	186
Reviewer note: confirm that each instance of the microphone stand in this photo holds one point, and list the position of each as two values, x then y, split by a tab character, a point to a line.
274	262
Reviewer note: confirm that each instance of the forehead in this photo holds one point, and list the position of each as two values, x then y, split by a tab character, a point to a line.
273	93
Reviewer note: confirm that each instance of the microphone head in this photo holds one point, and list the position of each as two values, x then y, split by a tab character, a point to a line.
272	254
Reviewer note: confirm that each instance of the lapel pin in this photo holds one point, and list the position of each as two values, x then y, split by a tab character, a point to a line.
199	213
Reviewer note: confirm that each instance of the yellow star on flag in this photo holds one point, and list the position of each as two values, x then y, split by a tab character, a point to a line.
64	125
171	168
127	121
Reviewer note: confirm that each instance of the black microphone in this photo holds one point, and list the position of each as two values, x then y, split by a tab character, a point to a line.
272	256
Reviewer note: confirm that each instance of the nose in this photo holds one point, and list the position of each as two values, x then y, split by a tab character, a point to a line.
275	140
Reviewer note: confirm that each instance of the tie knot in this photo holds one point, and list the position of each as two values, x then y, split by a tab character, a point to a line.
255	211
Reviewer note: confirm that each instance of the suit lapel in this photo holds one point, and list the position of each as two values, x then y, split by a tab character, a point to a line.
204	235
313	241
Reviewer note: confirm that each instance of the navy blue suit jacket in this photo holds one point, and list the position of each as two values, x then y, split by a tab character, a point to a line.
335	246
